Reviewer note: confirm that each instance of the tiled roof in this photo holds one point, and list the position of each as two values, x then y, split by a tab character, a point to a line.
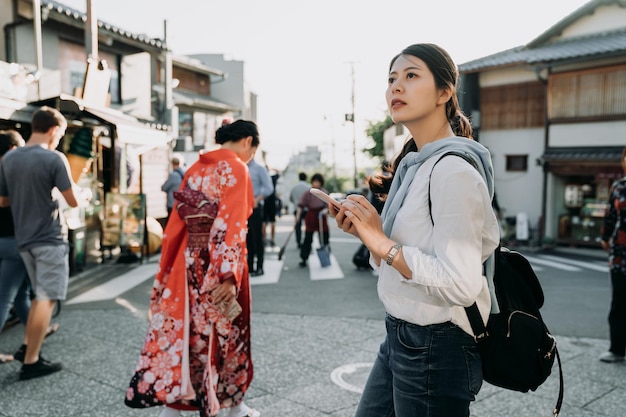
597	45
197	100
61	9
541	51
597	154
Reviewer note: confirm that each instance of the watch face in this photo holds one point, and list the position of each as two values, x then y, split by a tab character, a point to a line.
392	253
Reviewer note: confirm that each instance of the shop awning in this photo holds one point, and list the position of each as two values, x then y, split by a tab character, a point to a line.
14	110
598	155
128	129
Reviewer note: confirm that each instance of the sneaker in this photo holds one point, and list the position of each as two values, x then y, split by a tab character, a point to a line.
19	355
610	357
302	264
40	368
242	410
257	273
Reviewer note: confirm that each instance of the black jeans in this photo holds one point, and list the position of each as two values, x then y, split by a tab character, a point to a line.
254	241
305	249
617	315
298	227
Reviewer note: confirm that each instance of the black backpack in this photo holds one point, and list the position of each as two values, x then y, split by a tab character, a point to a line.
516	347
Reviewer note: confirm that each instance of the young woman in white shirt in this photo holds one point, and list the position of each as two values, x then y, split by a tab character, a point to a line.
430	268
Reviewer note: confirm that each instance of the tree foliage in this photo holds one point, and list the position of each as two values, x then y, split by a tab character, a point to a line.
376	131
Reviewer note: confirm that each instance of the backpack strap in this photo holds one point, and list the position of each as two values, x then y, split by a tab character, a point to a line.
559	401
179	172
460	154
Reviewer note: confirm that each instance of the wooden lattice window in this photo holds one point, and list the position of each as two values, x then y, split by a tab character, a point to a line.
513	106
593	94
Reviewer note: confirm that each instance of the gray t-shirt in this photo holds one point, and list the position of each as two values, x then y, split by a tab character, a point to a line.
28	175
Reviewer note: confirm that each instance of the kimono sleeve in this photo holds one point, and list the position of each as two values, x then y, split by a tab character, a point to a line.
228	241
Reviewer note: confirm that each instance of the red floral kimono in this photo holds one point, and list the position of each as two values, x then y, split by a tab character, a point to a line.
193	357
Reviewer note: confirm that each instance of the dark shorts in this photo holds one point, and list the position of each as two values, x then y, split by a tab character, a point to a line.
269	210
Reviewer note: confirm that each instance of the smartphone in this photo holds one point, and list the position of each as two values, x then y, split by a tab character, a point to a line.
325	197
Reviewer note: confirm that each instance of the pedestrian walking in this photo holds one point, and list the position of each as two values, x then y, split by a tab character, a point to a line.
173	181
28	176
614	242
314	212
262	185
270	208
14	288
295	195
196	355
429	271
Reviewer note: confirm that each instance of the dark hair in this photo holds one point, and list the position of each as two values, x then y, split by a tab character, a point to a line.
236	131
46	118
446	75
318	177
302	176
9	139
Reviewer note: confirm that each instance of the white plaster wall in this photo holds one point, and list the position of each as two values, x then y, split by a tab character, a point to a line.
605	18
506	76
588	134
517	191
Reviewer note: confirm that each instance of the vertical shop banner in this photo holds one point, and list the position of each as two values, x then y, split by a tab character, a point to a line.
124	220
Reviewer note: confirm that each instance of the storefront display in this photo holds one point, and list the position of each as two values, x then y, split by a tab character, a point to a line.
583	223
585	227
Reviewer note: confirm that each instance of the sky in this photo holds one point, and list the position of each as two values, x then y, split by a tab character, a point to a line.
306	60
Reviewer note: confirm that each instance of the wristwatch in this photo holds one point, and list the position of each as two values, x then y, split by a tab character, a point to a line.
392	253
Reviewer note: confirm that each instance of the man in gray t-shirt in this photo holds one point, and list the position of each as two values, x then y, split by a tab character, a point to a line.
28	177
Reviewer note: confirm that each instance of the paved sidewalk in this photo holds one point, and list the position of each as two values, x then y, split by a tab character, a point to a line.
305	366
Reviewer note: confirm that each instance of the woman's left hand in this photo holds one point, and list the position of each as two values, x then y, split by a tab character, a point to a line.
224	292
362	217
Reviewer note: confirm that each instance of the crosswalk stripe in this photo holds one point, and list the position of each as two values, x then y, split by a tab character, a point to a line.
588	265
117	286
557	265
344	240
271	272
318	273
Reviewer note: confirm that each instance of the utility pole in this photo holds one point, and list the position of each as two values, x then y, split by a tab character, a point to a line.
332	138
168	100
91	32
351	118
38	42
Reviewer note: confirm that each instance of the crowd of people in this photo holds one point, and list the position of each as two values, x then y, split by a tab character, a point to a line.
197	353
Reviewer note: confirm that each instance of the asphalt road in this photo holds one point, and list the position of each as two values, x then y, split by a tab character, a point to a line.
576	287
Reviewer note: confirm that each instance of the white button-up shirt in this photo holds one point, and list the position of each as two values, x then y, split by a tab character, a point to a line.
445	259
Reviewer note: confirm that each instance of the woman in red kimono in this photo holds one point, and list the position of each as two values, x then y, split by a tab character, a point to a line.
195	355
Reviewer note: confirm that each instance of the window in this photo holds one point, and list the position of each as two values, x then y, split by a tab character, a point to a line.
517	163
513	106
593	94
